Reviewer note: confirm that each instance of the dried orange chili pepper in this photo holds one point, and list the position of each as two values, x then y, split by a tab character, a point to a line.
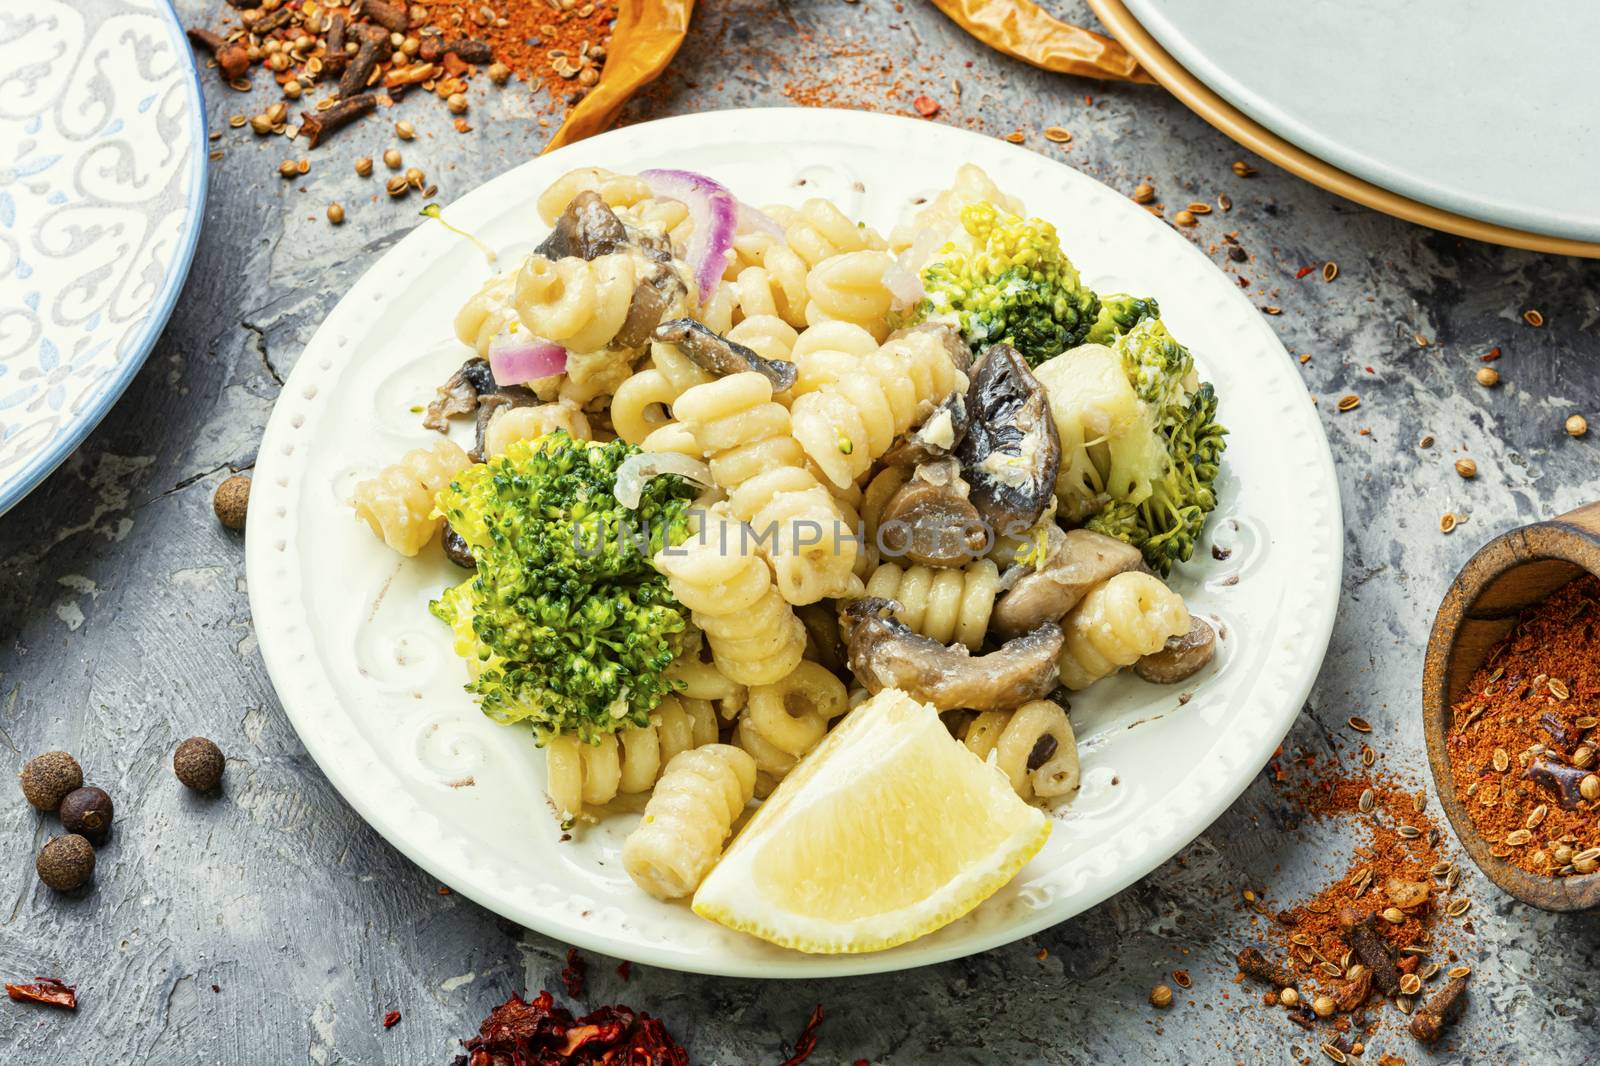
1022	30
644	39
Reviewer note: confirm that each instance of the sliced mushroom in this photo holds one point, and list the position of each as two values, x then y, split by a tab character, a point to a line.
587	229
948	335
885	653
716	353
936	438
1182	657
457	550
930	521
490	404
1011	452
1078	560
473	388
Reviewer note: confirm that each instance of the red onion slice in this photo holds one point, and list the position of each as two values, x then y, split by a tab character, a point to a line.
517	357
715	214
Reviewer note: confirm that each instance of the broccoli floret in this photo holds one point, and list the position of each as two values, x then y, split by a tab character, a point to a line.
566	624
1166	525
1160	369
1013	285
1118	314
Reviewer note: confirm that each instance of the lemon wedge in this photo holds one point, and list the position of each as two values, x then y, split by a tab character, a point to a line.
889	830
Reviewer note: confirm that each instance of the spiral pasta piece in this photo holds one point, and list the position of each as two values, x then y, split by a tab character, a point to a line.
628	761
744	434
511	424
1129	616
398	503
767	335
784	720
617	190
947	605
850	288
691	813
754	635
487	313
846	425
579	304
826	352
1034	746
818	230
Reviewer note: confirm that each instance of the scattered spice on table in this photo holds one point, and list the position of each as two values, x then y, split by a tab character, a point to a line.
625	970
391	1019
47	990
1524	746
806	1042
518	1031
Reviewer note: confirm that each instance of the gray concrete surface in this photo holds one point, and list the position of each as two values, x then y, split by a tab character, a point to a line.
271	926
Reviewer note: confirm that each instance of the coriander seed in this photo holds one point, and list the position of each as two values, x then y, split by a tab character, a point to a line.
336	214
392	159
415	177
1466	468
404	130
364	166
261	125
499	73
457	103
1589	787
1488	377
398	187
287	169
291	89
1143	193
1184	217
1577	426
1322	1006
1289	997
1161	997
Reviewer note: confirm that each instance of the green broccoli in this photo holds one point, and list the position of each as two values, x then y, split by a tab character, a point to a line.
1166	524
1013	285
1118	314
566	624
1160	369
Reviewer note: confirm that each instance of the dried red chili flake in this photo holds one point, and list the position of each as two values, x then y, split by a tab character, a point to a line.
926	106
48	990
625	970
576	975
391	1019
1490	356
519	1033
806	1042
1302	272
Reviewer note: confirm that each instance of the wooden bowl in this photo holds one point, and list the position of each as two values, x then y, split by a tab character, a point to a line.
1515	571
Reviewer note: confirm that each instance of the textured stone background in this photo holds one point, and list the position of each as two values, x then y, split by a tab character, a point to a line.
126	626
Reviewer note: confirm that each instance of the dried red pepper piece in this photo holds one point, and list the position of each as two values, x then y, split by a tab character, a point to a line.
926	106
1302	272
391	1019
520	1033
806	1042
47	990
576	974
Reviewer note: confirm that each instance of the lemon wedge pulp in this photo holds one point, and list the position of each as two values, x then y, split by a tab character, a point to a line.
889	830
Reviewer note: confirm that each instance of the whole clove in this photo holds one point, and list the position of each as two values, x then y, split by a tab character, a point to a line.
1254	964
272	21
1364	939
392	17
318	124
232	60
469	50
334	56
1558	779
244	5
1429	1022
375	46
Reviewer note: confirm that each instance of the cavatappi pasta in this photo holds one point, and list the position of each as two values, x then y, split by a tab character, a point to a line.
792	408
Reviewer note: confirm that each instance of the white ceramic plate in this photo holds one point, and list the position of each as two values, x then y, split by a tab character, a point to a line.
102	186
369	679
1449	102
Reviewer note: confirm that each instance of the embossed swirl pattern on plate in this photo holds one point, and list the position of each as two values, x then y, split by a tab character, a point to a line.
102	176
1153	787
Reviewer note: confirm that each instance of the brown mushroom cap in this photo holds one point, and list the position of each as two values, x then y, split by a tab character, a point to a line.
1011	453
885	653
588	229
712	351
1078	560
937	438
1182	657
930	521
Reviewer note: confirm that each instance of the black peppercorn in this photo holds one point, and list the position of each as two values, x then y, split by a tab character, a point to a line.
199	764
47	778
87	812
66	862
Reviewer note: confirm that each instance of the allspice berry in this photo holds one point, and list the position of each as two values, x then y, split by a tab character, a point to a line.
87	812
66	862
199	764
232	501
1161	997
47	778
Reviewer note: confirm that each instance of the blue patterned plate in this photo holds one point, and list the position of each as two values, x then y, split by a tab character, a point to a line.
102	186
